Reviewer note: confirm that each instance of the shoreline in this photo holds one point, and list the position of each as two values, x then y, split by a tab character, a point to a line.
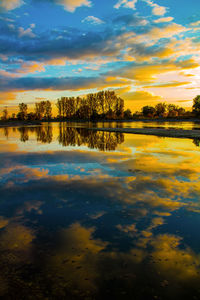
175	133
160	132
37	122
19	123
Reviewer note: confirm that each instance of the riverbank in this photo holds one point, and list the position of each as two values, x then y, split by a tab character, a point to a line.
176	133
18	123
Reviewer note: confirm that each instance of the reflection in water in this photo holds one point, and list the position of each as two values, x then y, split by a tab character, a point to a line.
23	134
6	132
82	224
197	142
69	136
103	141
76	136
44	134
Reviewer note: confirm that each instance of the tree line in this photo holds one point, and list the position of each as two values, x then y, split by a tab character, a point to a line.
98	106
163	110
101	105
104	104
43	110
171	110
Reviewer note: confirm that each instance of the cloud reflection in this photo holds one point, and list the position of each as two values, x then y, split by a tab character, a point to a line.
82	223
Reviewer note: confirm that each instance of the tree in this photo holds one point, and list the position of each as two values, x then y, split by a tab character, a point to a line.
127	114
31	116
196	105
22	114
101	104
40	109
148	111
59	106
119	108
160	109
5	114
181	111
48	110
172	110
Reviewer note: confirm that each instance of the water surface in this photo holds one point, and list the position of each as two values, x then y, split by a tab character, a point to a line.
96	215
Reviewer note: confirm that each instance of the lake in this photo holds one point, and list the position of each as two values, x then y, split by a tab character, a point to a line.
98	215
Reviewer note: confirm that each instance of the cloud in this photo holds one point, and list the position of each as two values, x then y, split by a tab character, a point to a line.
128	38
157	9
169	84
75	83
126	3
69	5
72	5
72	44
7	96
164	20
31	67
24	174
131	20
10	4
139	98
195	24
93	20
27	32
172	259
166	32
149	72
24	68
53	83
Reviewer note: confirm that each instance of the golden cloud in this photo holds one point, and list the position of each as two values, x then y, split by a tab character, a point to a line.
71	5
10	4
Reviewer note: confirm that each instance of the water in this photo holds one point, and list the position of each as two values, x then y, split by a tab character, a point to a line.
96	215
187	125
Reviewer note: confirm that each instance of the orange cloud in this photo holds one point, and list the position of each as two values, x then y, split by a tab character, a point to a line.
31	68
169	84
163	20
138	98
149	73
7	96
71	5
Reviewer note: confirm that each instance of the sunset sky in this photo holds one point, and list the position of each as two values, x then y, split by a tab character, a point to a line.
146	50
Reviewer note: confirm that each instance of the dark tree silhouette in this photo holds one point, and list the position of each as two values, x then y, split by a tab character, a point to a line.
196	105
5	114
94	106
148	111
23	109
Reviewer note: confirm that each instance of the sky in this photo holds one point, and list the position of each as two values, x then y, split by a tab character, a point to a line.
147	51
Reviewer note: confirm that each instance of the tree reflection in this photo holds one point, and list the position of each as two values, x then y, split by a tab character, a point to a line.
70	136
197	142
44	134
23	134
6	132
103	141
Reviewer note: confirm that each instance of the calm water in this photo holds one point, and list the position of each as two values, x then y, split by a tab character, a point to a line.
139	124
96	215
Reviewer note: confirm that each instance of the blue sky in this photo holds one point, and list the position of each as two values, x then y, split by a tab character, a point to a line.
148	51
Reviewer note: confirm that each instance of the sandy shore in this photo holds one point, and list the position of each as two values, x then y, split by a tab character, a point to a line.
177	133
